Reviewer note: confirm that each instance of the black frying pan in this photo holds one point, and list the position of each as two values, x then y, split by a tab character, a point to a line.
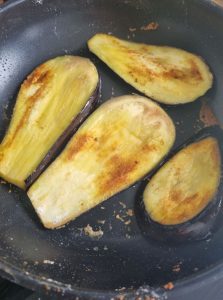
123	261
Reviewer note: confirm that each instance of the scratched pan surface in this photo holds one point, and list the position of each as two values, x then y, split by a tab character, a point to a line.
66	261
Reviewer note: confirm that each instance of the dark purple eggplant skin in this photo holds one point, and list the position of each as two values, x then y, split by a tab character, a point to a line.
202	226
65	136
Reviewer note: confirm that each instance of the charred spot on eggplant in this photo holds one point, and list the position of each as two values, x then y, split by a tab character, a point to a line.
166	74
48	110
117	145
193	219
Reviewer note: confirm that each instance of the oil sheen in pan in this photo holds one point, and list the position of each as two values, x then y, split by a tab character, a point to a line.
202	226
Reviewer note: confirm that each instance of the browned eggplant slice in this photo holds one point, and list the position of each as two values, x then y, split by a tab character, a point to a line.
166	74
182	201
116	146
185	185
51	103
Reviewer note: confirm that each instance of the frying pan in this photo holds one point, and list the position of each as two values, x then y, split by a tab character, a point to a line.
122	262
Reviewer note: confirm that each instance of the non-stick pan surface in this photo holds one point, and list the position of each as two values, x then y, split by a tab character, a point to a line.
123	260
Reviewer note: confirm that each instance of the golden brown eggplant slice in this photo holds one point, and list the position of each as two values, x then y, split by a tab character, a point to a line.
185	185
166	74
116	146
49	100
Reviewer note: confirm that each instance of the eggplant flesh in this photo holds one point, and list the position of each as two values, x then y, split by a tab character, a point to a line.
116	146
185	185
64	137
166	74
48	101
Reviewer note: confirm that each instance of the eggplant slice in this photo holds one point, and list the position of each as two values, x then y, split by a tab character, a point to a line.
48	103
166	74
116	146
186	184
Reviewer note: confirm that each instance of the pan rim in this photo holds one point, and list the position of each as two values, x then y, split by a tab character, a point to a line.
31	281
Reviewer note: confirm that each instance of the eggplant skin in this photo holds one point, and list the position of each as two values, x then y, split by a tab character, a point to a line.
48	101
185	185
166	74
64	137
116	146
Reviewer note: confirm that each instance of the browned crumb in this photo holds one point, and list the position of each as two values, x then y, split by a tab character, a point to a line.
176	268
218	2
150	298
207	115
122	204
132	29
128	222
169	286
50	262
130	212
47	287
150	26
121	289
88	230
101	222
118	217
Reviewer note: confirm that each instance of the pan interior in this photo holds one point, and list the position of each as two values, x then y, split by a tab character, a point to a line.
34	31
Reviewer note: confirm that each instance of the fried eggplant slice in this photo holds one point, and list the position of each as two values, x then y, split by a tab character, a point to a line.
185	185
116	146
166	74
49	101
